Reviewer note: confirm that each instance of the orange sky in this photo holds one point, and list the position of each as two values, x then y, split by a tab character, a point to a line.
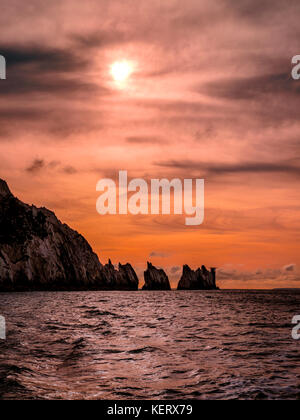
210	97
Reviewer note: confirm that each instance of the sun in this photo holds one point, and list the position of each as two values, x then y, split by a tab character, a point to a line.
121	70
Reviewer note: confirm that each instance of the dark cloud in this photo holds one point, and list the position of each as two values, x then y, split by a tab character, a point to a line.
16	119
21	114
101	38
58	120
159	254
285	167
29	83
274	274
268	98
262	10
249	88
40	164
205	133
36	166
43	58
69	170
38	74
145	140
290	267
42	69
178	106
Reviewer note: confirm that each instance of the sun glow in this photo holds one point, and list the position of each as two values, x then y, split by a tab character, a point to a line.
121	70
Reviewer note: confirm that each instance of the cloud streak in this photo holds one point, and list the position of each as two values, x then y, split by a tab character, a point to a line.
287	168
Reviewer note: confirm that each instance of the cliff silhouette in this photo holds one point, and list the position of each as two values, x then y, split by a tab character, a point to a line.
38	252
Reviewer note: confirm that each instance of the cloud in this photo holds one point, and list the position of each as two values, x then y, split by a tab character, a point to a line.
284	167
159	254
59	120
69	170
30	83
248	88
175	269
285	274
101	38
41	69
42	88
43	58
36	166
40	164
145	140
258	12
290	267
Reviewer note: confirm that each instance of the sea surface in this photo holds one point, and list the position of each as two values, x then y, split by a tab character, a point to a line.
150	345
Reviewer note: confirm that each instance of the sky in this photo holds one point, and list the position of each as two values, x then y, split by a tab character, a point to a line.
210	96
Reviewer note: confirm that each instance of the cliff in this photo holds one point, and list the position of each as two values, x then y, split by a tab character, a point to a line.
38	252
155	279
200	279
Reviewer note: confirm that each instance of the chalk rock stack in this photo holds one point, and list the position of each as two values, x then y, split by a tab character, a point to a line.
155	279
200	279
124	278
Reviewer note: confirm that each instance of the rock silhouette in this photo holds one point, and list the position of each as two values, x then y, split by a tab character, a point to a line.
200	279
155	279
124	278
38	252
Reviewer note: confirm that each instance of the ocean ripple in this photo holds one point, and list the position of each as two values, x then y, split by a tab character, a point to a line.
154	345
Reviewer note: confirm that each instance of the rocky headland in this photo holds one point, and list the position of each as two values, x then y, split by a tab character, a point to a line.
38	252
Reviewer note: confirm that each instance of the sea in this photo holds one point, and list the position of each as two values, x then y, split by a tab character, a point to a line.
227	344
